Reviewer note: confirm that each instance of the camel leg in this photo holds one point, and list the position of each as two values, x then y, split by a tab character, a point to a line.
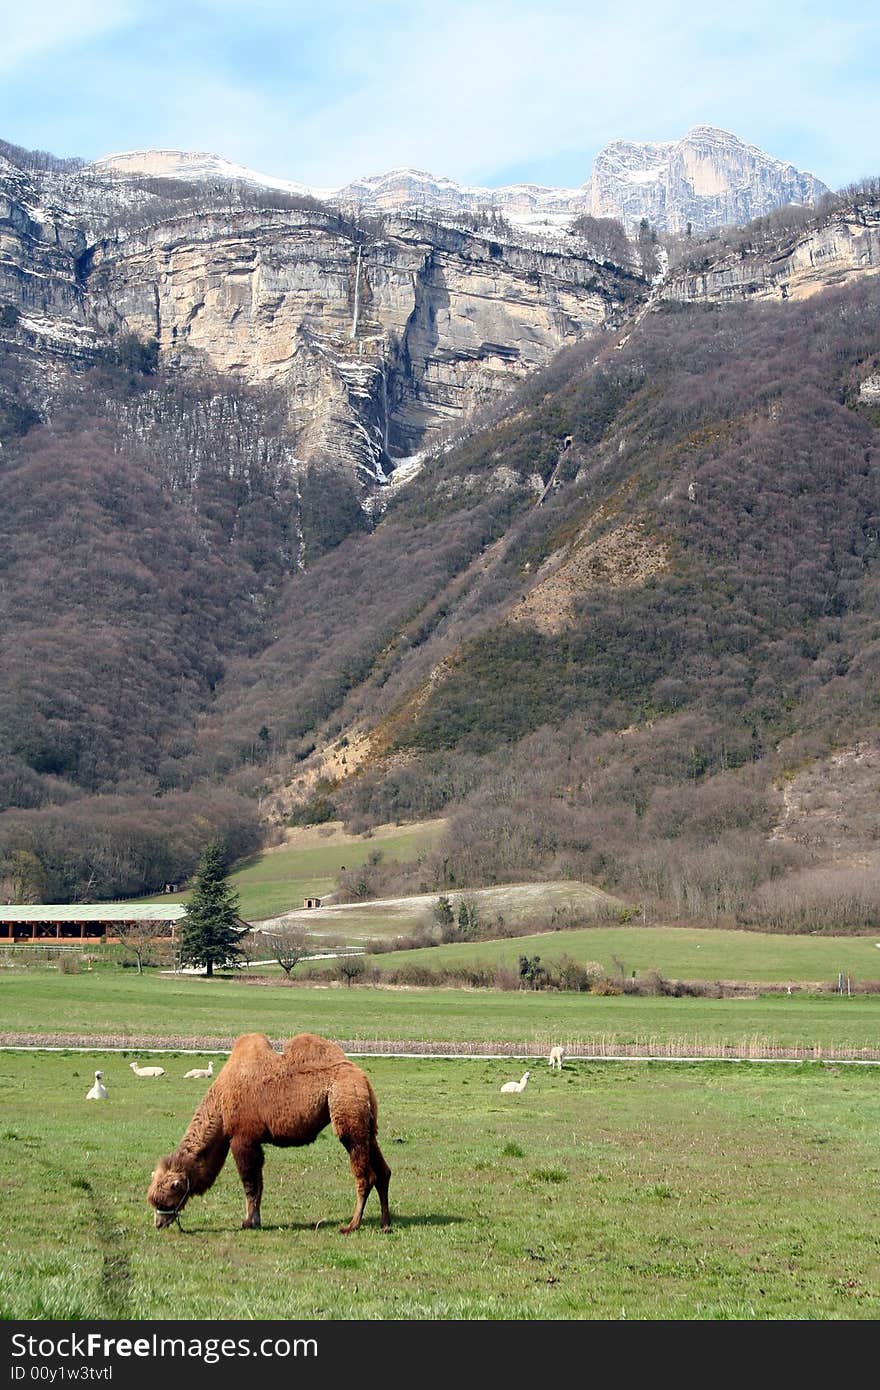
359	1160
382	1177
369	1170
249	1162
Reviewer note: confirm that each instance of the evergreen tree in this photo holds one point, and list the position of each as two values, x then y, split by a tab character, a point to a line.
444	916
210	931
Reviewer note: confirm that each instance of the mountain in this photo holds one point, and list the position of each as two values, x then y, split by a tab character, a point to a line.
194	165
380	332
707	178
658	671
620	624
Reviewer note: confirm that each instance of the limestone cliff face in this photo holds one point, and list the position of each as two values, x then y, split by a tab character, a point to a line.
848	246
377	340
709	178
377	337
41	246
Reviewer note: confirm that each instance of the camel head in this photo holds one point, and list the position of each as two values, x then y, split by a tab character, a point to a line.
168	1192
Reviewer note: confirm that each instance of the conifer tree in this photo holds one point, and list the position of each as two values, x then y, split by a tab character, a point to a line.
210	931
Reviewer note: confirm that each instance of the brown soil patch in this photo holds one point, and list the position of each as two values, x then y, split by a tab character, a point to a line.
624	558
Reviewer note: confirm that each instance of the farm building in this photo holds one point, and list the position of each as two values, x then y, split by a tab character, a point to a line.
74	922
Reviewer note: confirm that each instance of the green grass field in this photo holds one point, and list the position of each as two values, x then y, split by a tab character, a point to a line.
309	865
609	1191
44	1002
679	953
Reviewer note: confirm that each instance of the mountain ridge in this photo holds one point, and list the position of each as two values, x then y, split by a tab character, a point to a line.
619	627
630	180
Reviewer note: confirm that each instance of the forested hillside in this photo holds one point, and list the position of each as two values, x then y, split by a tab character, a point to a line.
615	682
600	632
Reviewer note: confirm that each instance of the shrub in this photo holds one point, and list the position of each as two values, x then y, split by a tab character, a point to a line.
606	987
505	978
654	983
570	975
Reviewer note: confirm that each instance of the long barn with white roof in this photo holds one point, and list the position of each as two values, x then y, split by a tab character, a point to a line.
72	922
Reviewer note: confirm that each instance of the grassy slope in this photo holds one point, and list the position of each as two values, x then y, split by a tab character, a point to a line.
309	864
652	1192
683	953
531	903
43	1003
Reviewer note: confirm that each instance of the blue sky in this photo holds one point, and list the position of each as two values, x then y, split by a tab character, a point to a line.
487	91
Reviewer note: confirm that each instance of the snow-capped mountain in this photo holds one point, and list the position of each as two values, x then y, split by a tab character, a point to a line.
196	166
707	178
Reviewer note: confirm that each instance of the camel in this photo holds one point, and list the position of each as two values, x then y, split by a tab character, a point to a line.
262	1097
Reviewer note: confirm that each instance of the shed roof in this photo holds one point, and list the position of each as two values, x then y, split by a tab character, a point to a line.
93	912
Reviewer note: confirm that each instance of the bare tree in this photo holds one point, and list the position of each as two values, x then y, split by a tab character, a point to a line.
287	944
143	941
351	968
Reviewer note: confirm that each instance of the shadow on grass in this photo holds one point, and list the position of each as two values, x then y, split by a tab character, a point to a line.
331	1225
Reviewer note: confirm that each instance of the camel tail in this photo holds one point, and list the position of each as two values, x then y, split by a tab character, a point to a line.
374	1110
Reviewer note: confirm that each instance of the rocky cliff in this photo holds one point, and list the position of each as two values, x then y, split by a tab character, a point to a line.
389	317
379	338
845	247
709	178
379	334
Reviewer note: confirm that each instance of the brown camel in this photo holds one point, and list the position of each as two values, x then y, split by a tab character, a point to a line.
262	1097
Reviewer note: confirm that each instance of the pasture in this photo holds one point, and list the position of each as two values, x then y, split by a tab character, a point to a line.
565	900
309	862
606	1191
43	1002
678	953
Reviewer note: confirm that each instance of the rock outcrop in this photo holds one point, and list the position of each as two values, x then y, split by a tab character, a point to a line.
379	335
384	319
709	178
845	247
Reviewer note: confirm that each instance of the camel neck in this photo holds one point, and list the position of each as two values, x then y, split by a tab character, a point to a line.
202	1151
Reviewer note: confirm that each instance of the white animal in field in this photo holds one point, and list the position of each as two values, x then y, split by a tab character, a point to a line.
200	1073
556	1055
516	1085
146	1071
99	1090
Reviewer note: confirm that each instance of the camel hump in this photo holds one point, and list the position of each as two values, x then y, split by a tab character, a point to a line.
250	1046
309	1050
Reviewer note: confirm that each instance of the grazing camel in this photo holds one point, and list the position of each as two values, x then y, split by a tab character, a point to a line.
99	1090
516	1085
556	1055
260	1097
